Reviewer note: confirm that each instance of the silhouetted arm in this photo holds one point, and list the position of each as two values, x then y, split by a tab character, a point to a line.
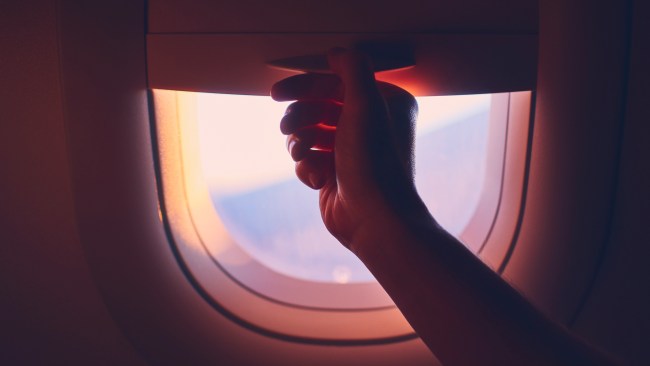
352	138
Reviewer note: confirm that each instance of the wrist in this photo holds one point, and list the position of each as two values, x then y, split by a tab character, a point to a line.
392	222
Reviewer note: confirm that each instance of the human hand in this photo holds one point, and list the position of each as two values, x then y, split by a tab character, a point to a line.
352	138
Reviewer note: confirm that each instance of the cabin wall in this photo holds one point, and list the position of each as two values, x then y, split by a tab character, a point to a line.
584	239
50	309
576	136
616	314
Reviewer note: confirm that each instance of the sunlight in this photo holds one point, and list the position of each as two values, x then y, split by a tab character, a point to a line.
257	204
241	147
241	144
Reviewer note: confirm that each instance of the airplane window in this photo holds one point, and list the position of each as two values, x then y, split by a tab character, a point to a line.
275	219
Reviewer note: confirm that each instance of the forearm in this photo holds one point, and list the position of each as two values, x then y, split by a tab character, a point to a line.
461	309
464	312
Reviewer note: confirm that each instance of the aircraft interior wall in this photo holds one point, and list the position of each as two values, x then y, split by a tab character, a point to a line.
83	279
52	311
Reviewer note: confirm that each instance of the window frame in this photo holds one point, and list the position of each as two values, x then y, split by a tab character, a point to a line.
272	303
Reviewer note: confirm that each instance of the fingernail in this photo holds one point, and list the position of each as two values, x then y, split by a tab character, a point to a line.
290	145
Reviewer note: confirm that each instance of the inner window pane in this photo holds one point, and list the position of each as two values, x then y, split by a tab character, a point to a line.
273	217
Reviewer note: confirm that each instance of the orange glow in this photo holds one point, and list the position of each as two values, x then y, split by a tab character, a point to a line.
403	79
326	127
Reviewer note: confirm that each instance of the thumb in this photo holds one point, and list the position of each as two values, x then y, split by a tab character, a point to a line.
355	70
363	103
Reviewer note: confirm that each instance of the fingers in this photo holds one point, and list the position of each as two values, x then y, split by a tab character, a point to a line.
310	112
309	122
311	138
308	86
316	169
328	87
374	120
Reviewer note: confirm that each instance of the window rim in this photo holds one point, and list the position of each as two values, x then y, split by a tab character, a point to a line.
196	268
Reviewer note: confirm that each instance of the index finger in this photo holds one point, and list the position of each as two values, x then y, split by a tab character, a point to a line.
308	86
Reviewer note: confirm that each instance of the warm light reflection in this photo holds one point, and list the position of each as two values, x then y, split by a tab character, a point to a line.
171	163
217	239
341	274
